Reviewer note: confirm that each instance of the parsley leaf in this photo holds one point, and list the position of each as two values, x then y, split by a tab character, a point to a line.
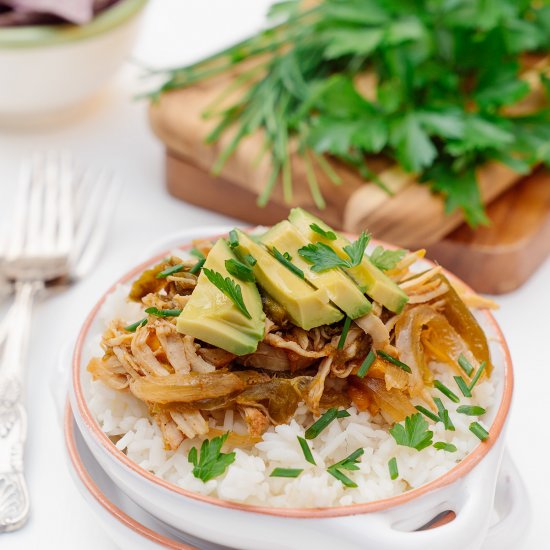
322	257
212	462
414	433
240	270
386	259
229	288
356	250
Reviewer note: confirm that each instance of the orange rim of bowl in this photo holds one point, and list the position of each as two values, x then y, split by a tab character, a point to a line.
455	473
100	497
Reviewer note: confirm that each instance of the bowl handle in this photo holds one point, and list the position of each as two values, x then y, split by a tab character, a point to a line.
471	498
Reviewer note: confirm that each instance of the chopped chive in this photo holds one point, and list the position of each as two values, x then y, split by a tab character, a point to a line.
169	271
428	413
462	386
330	235
393	360
345	330
471	410
134	326
306	450
198	266
249	259
343	414
465	365
366	364
341	477
350	462
287	263
317	427
442	446
479	431
286	472
197	253
240	270
444	415
287	256
392	467
477	375
233	239
446	391
163	312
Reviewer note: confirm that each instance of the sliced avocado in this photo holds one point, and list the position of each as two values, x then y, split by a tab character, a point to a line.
370	279
212	317
306	306
341	290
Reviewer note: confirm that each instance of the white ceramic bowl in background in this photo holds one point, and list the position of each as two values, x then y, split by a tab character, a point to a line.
468	489
47	69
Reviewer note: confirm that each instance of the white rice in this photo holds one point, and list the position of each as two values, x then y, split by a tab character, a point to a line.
124	418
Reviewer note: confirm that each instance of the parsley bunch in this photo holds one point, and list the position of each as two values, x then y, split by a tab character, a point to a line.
446	77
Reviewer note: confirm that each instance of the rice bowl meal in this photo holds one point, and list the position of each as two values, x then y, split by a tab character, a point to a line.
291	367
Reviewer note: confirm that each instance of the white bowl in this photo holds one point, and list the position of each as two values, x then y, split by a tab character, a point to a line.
46	69
467	490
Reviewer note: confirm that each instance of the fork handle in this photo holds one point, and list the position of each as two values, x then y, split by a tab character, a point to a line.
14	497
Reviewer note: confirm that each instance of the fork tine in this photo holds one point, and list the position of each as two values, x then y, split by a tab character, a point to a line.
51	192
16	241
34	214
100	213
65	204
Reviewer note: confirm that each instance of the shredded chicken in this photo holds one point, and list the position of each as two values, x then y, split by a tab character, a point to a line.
198	364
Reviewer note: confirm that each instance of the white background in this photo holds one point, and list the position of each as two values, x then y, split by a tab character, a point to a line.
113	133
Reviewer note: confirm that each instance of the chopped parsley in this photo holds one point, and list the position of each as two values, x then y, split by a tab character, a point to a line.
212	462
240	270
329	235
414	434
385	259
229	288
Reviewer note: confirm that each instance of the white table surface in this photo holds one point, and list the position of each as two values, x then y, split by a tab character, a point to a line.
114	133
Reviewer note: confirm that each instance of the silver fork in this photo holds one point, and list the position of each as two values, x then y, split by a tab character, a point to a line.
53	239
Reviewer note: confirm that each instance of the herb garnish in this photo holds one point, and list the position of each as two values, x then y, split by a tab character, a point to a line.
229	288
465	365
392	467
212	462
393	360
444	415
134	326
250	260
197	253
286	472
329	235
233	238
306	450
366	364
323	257
343	414
471	410
479	431
442	446
478	373
344	335
163	312
169	271
240	270
428	413
349	463
464	388
324	420
386	259
414	433
198	266
446	391
282	258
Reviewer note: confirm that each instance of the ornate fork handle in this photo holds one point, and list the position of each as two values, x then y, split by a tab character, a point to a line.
14	498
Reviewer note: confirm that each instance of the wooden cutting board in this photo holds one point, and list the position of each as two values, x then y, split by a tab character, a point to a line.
494	259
